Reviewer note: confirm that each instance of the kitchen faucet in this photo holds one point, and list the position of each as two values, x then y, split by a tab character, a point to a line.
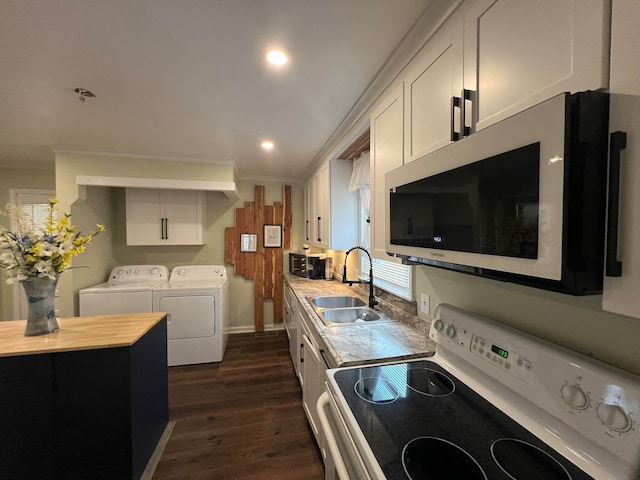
372	301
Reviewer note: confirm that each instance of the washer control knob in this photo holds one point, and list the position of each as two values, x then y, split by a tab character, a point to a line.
438	325
614	417
575	396
136	271
119	272
450	331
128	272
182	271
155	271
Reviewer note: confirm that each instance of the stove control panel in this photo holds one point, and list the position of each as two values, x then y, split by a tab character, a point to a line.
590	407
506	360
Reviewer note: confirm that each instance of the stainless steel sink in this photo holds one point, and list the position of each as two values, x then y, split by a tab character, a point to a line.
349	315
335	310
336	302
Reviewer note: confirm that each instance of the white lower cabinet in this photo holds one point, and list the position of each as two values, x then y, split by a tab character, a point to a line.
291	327
312	368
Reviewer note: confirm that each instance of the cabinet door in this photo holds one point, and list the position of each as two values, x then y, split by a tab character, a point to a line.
519	53
386	145
183	211
307	213
436	78
144	216
322	192
622	294
314	369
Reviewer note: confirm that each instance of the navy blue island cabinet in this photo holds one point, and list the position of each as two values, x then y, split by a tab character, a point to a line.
87	402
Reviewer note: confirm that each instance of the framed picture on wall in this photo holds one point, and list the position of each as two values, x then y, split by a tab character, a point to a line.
248	242
273	236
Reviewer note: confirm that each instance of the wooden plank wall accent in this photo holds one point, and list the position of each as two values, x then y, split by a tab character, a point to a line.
264	266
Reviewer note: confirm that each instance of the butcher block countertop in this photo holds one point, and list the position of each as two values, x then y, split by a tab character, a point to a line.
78	333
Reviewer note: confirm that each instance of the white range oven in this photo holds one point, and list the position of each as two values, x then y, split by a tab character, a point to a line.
493	403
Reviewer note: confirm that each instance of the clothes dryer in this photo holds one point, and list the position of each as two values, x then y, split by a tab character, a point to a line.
128	290
196	300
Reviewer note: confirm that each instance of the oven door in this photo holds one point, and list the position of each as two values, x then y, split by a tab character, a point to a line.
343	462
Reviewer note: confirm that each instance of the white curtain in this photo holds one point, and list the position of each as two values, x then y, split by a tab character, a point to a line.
360	181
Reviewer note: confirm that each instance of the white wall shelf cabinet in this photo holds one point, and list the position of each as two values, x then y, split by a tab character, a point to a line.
508	56
165	217
386	149
621	294
331	210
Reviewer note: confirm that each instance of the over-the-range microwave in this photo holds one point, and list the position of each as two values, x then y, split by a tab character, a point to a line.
523	200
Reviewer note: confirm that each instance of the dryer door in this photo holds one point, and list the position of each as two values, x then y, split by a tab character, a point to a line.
190	316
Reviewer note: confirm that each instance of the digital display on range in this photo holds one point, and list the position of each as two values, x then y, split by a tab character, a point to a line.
499	351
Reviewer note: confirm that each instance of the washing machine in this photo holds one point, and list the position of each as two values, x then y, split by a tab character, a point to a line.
196	299
128	290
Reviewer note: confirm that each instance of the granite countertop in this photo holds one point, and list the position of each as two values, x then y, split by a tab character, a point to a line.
78	333
357	344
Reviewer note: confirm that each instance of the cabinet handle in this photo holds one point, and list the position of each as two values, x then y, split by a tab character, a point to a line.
617	143
166	229
455	103
319	232
466	96
162	229
323	355
302	353
306	230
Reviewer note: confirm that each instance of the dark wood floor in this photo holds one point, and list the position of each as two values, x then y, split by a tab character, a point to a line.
240	419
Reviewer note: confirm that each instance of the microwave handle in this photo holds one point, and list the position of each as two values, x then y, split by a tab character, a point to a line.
455	103
617	143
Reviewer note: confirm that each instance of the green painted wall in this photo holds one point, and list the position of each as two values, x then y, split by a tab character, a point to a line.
90	205
577	323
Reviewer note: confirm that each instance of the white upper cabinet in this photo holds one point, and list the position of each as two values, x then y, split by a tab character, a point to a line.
431	88
386	149
621	293
164	217
494	58
519	53
331	209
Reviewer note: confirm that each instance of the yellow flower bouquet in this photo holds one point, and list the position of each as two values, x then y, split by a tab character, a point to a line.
40	251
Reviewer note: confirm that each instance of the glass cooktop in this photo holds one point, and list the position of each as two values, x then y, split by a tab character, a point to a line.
423	423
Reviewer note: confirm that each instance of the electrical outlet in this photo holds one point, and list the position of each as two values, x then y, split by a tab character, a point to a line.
424	303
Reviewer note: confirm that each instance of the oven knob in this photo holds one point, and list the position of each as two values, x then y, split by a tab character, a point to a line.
438	325
450	331
614	417
575	396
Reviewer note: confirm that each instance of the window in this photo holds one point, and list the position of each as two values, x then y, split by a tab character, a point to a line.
392	277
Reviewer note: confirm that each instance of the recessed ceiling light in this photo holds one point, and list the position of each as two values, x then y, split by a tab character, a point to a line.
267	145
276	57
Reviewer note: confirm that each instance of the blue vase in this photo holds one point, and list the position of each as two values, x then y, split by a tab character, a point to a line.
41	297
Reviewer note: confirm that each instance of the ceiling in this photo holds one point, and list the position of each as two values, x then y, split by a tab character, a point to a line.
187	79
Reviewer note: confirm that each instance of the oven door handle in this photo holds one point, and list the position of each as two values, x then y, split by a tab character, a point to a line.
321	406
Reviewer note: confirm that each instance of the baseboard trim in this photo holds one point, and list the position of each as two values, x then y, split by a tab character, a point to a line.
157	452
251	329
